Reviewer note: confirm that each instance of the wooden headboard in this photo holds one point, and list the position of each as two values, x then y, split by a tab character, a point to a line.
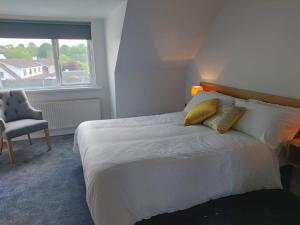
246	94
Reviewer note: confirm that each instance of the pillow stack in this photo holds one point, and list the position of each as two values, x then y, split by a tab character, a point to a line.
214	110
271	124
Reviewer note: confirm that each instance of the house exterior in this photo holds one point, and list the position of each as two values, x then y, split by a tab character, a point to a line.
14	69
7	74
47	65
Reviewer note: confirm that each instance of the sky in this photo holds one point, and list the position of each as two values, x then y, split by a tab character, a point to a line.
38	42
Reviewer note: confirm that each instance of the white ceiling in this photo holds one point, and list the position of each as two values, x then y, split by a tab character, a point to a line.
57	9
170	32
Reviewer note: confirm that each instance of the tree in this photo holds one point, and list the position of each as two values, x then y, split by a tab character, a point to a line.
71	65
44	51
2	49
32	48
64	59
19	52
84	66
78	52
65	49
21	46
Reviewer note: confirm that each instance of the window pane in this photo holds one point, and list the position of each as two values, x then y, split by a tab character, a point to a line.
74	61
26	63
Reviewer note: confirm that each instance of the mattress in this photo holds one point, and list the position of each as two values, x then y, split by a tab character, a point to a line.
136	168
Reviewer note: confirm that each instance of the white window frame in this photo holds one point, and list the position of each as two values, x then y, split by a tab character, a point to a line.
58	68
92	85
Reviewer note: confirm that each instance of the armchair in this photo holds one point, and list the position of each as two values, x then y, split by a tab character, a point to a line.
17	118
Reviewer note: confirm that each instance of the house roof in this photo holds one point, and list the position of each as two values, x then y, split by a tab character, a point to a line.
45	62
26	63
12	73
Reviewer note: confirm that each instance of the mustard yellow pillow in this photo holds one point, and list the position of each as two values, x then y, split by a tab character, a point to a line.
225	118
201	112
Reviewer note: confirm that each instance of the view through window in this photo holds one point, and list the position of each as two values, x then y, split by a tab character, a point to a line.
74	61
30	63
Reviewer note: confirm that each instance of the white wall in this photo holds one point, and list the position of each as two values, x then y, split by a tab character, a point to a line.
160	38
100	59
16	70
6	75
113	31
252	45
149	92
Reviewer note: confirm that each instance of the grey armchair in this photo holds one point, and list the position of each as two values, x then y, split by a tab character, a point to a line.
17	118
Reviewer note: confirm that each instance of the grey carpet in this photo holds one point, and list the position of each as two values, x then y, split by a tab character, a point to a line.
43	188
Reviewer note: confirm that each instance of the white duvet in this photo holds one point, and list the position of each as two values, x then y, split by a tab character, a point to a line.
140	167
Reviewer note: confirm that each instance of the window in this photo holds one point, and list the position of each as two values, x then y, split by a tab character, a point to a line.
44	55
1	75
74	61
30	63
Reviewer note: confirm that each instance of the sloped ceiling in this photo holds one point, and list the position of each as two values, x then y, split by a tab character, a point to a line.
166	32
64	9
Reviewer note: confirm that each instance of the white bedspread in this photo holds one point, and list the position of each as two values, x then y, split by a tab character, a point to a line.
139	167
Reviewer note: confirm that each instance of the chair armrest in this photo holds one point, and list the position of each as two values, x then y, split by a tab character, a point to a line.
2	128
28	112
34	113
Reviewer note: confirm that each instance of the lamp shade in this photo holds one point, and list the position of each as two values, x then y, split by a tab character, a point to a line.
195	90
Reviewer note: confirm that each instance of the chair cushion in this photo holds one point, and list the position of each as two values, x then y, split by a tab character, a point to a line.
21	127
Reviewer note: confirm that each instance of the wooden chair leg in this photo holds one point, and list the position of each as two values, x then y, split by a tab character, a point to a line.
1	145
11	152
48	139
29	139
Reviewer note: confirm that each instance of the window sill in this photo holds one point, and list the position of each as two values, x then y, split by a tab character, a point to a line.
65	89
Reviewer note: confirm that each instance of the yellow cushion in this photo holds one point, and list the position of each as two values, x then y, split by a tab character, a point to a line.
201	112
225	118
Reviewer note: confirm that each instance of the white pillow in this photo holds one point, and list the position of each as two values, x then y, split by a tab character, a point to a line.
205	95
270	124
276	105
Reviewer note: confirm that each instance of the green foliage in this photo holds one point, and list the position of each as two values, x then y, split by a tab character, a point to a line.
45	51
33	49
19	52
84	66
64	59
74	53
69	55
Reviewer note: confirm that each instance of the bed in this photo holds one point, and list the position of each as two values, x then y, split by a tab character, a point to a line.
136	168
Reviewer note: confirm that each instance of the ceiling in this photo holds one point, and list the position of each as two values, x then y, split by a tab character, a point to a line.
168	32
57	9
